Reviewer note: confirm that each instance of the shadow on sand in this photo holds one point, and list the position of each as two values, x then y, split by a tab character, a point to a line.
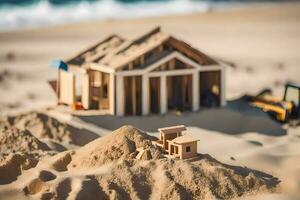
236	118
269	180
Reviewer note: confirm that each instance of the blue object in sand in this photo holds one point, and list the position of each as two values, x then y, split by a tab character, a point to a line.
59	64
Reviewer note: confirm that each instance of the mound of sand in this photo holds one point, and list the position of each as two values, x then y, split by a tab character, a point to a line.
204	178
119	145
107	168
13	140
41	126
44	127
161	178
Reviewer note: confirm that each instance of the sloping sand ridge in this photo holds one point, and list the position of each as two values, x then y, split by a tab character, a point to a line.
44	127
107	169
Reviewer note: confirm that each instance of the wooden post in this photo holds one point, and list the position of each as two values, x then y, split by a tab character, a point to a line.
58	87
163	94
145	94
170	148
100	101
120	95
223	86
111	94
133	94
196	96
86	90
184	89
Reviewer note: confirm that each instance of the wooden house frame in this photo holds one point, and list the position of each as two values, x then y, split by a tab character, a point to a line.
150	74
169	133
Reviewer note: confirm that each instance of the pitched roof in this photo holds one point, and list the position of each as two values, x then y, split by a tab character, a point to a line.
184	139
115	52
97	51
135	48
172	129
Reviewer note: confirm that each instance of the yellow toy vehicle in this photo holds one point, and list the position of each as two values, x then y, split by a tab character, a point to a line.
282	109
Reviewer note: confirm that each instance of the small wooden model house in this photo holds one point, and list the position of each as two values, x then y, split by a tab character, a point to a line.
183	147
176	144
151	74
169	133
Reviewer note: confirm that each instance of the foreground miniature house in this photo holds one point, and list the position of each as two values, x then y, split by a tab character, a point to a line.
176	144
150	74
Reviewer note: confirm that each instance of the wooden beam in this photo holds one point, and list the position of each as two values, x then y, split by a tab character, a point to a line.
82	52
145	95
120	95
101	89
195	88
164	60
223	86
58	86
172	73
133	94
163	95
195	54
102	68
184	88
86	91
111	94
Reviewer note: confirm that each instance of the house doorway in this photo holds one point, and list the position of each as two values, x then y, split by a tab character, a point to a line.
179	89
133	97
210	88
99	90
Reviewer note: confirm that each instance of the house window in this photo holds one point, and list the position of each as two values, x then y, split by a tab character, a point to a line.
188	149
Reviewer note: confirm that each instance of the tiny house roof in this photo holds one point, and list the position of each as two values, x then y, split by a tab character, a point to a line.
116	52
184	139
172	129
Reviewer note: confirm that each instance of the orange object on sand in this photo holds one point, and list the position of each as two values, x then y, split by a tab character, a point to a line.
77	106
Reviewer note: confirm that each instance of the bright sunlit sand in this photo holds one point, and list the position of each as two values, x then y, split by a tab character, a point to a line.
54	152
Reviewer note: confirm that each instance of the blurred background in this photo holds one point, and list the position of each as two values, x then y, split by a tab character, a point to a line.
15	14
259	40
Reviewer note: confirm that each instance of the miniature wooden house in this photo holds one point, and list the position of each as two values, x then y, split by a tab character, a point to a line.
176	144
150	74
169	133
183	147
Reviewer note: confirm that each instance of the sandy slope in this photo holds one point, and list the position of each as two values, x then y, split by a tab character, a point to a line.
107	168
262	42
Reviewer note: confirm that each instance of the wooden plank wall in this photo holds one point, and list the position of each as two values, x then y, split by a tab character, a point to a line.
67	88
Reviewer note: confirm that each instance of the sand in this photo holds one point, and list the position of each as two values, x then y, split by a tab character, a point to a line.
120	144
49	129
107	168
262	45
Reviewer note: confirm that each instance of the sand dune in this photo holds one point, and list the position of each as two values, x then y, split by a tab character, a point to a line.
107	168
49	129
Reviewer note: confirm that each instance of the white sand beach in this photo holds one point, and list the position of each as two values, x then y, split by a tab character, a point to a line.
262	44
